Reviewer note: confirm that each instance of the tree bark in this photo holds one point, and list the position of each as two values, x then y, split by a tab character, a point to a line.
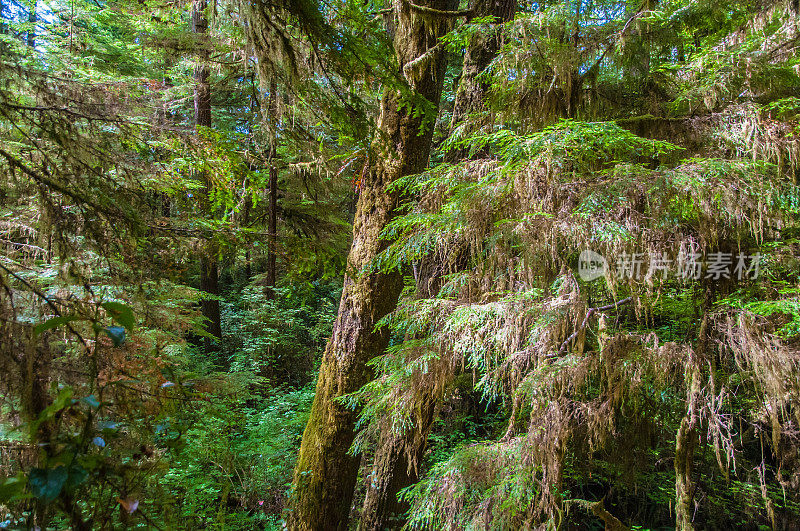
209	275
391	471
272	225
395	467
325	474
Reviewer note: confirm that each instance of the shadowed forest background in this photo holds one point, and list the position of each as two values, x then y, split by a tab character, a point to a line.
321	264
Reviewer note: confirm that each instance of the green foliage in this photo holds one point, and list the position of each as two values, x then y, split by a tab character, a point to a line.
239	453
522	394
278	338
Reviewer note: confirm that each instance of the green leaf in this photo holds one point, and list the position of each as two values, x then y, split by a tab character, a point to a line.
13	488
121	313
63	400
77	476
116	333
46	484
54	323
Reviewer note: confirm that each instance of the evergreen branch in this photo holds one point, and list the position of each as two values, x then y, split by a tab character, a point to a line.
49	303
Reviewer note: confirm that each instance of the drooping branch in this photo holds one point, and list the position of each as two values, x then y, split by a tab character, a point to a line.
421	61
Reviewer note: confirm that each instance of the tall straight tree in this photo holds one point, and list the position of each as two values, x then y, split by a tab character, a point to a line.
272	226
325	474
396	455
31	38
209	277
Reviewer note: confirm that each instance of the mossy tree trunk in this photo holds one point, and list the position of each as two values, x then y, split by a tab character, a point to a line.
325	474
687	436
397	455
482	49
395	467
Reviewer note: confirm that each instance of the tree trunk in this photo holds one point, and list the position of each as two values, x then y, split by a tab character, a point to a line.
391	471
209	276
272	225
482	49
395	467
31	38
248	206
686	438
325	474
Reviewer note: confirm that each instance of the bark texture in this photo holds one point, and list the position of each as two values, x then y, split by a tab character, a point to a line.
482	49
395	467
325	474
209	275
687	436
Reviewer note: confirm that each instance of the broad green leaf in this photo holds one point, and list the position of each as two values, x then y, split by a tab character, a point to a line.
55	322
13	488
121	313
92	401
46	483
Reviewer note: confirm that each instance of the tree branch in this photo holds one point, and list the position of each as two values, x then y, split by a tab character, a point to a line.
589	313
440	12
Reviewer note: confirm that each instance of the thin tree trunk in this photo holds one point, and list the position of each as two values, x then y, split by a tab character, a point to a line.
686	438
31	39
248	206
325	474
685	443
272	226
248	200
209	277
391	471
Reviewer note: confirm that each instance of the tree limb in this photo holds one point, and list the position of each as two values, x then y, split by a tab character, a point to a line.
589	313
440	12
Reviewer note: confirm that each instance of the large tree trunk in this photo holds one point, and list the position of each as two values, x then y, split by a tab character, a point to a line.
325	474
209	276
391	470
